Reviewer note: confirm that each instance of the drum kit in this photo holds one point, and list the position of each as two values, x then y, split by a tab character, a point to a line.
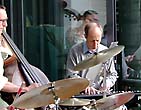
60	93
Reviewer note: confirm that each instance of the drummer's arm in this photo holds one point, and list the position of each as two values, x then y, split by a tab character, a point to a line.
10	87
111	76
71	63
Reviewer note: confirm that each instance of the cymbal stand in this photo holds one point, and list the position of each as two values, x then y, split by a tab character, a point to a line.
104	81
106	70
91	106
55	97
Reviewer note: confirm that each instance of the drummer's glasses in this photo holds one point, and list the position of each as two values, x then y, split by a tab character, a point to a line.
3	20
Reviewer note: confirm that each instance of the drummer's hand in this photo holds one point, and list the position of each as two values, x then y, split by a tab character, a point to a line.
32	86
91	90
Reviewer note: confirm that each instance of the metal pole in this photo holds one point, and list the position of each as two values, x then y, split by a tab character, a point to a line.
22	24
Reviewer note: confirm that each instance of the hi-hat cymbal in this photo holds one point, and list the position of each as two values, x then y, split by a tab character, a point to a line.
75	102
114	101
101	57
47	94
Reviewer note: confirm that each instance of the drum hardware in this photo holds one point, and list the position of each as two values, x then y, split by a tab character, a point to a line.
110	102
104	80
19	90
51	93
55	97
106	70
106	103
91	106
75	102
114	101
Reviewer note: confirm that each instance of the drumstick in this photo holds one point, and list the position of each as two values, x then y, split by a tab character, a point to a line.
11	108
19	90
17	95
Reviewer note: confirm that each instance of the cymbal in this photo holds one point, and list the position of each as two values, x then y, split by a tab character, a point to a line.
48	94
3	108
114	101
75	102
101	57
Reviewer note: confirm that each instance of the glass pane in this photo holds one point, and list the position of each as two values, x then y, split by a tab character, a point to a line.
46	23
129	35
44	36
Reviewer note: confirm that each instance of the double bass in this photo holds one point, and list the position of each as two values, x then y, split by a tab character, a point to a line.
18	69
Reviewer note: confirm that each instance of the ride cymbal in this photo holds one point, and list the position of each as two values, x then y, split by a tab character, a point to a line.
114	101
75	102
101	57
48	94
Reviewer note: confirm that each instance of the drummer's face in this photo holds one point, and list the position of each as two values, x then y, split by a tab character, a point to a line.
3	19
94	38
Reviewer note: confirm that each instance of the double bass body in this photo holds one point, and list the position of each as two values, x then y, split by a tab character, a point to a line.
12	71
17	69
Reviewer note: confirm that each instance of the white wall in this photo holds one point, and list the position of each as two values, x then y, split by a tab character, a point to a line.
83	5
97	5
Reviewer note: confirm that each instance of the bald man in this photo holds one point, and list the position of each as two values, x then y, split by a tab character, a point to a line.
86	49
